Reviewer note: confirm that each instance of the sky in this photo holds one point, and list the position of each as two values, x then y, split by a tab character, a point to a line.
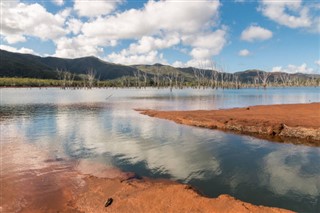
232	35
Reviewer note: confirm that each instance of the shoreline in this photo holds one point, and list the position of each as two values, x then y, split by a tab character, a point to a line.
46	184
289	123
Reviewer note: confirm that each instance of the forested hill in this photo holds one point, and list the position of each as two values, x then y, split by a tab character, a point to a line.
27	65
31	66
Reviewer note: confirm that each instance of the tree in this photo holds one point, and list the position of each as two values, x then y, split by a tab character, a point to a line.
264	77
90	77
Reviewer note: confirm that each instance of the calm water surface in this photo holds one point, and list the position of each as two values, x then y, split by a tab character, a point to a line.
100	125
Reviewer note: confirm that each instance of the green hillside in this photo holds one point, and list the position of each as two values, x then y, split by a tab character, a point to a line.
16	65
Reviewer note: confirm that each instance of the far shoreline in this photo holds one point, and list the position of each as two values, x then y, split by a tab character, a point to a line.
289	123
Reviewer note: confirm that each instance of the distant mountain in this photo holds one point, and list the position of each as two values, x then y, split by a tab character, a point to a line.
27	65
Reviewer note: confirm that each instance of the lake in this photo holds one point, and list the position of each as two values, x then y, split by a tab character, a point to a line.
102	126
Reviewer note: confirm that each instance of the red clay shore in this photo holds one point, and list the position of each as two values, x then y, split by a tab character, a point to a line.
292	123
29	184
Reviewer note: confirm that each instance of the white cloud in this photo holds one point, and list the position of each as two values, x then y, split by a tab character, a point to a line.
178	64
276	69
317	62
149	43
255	33
244	52
155	18
144	51
20	19
293	14
161	30
80	46
206	45
74	25
157	25
15	39
277	11
151	57
303	68
95	8
13	49
58	2
203	64
206	40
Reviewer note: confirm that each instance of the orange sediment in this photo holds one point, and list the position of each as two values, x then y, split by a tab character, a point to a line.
298	122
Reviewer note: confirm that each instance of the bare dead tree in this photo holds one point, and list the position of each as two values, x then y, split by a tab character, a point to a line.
145	75
91	77
264	77
60	75
176	77
137	78
202	73
70	79
235	79
284	78
213	75
158	75
256	81
170	77
196	73
181	82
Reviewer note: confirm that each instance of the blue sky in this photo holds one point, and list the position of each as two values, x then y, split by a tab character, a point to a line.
233	35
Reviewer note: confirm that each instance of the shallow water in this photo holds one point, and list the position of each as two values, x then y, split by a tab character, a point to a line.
102	126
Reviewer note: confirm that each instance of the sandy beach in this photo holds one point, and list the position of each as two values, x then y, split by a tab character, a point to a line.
292	123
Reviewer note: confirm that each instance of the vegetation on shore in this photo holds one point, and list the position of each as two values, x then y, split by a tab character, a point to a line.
202	79
25	70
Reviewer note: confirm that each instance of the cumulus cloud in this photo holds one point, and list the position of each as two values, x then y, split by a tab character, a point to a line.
95	8
13	49
145	50
80	46
154	18
20	20
255	33
157	25
303	68
277	11
292	14
149	43
317	62
206	45
244	52
130	59
203	64
162	31
276	69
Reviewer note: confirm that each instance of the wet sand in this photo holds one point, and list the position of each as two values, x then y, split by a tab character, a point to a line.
35	181
292	123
